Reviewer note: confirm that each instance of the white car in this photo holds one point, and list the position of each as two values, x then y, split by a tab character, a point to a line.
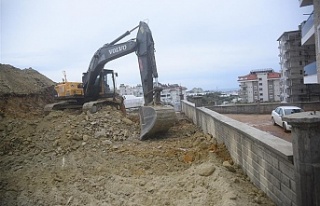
279	112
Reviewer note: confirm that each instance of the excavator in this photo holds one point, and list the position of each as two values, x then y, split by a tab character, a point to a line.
98	84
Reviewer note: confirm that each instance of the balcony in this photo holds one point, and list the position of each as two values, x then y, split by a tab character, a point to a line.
305	2
310	74
308	31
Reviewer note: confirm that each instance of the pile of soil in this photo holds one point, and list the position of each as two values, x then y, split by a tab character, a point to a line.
77	158
23	92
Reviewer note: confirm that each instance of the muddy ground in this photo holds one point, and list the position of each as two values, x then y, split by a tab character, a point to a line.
75	158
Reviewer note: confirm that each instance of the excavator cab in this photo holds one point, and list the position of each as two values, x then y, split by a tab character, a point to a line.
107	83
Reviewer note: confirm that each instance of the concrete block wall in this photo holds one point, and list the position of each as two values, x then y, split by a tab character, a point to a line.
264	158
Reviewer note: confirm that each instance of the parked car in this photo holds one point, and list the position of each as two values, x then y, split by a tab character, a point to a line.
280	112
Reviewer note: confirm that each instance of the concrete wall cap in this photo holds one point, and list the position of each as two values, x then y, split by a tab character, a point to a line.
303	117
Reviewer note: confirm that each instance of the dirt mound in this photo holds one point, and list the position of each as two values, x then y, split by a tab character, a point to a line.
23	93
15	81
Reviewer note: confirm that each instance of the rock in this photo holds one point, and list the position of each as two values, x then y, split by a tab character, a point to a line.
189	157
77	137
228	166
2	127
203	145
236	180
257	200
208	137
85	137
205	169
101	133
127	121
106	142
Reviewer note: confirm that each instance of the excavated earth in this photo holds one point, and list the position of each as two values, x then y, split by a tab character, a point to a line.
75	158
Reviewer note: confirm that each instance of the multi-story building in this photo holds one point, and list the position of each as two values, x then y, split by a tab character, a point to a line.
310	35
172	94
292	60
128	90
260	86
294	57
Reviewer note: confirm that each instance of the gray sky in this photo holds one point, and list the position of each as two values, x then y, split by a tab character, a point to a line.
204	43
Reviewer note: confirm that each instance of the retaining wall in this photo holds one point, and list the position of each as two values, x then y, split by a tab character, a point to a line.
267	160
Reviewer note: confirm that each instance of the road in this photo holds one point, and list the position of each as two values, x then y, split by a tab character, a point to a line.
262	122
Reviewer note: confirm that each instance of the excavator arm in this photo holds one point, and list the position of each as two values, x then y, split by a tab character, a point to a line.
143	45
153	119
100	58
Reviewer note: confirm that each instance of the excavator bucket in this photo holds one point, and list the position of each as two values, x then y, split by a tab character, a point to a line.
155	120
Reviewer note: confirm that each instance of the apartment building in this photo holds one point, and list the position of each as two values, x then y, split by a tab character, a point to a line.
172	94
310	35
260	86
294	58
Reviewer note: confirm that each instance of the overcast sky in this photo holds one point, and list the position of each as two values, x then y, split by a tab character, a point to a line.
203	43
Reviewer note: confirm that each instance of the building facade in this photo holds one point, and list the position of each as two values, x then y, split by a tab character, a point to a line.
260	86
310	35
294	58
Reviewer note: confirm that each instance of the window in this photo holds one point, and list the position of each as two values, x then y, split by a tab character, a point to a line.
260	84
260	79
261	94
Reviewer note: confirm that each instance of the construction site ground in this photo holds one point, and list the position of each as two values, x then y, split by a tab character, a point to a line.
77	158
262	122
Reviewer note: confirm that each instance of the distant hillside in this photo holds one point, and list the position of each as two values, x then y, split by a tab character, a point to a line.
22	81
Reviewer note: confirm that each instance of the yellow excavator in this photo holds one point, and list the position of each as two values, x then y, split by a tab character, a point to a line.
98	84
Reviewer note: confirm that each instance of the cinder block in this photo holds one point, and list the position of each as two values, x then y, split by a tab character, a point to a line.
258	168
258	150
285	180
271	159
288	193
272	170
247	143
274	181
287	169
284	200
273	197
